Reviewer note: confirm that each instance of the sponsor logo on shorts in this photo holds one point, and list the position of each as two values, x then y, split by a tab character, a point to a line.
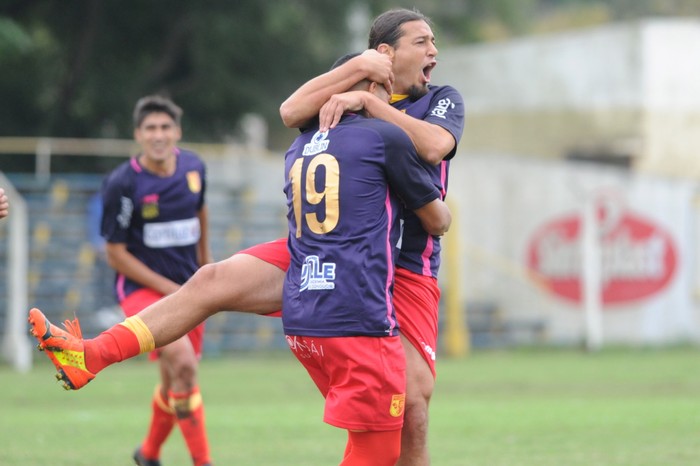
397	405
304	349
317	276
428	349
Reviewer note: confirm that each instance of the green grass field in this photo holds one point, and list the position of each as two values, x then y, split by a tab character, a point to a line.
515	408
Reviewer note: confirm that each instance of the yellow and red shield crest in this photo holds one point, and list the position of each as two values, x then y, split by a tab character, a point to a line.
194	181
397	405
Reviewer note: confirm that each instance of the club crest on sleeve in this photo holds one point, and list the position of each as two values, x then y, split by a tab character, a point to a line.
194	182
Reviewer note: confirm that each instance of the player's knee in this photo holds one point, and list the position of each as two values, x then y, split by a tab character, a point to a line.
419	389
182	368
211	287
203	277
427	386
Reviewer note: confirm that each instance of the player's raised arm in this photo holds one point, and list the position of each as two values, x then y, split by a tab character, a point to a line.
305	102
433	142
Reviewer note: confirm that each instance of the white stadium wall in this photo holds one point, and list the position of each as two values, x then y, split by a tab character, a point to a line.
627	89
520	237
630	89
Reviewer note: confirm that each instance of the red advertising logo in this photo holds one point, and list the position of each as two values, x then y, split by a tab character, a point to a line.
638	260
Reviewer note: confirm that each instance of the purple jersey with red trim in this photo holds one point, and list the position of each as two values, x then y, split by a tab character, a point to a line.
443	106
343	189
155	216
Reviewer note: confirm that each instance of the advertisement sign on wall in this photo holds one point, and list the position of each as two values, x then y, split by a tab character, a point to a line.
638	256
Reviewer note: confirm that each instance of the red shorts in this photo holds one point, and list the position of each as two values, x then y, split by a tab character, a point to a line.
273	252
416	303
416	299
141	299
363	379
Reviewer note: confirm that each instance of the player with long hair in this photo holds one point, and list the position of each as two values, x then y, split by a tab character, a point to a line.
402	54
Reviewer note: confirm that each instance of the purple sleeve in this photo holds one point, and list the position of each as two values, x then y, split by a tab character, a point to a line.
405	172
447	110
117	207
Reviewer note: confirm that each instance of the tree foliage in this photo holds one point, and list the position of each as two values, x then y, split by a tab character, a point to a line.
75	69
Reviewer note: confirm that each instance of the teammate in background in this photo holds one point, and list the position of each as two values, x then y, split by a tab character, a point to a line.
154	222
433	117
4	204
251	280
343	231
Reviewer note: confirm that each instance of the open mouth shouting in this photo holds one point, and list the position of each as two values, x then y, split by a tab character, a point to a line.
427	71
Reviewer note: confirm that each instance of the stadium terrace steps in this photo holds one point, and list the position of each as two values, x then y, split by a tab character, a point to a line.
489	329
67	277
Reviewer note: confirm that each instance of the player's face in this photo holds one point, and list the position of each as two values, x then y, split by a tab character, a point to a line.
414	59
158	136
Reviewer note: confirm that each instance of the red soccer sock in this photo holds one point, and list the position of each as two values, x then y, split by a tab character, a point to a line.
189	410
162	422
348	446
373	448
122	341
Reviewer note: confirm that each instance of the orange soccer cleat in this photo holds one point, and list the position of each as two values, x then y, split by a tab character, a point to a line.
64	349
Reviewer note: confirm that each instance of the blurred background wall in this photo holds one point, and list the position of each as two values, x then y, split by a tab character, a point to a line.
606	115
574	188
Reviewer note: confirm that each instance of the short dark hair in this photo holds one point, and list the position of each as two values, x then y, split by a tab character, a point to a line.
386	28
156	104
344	59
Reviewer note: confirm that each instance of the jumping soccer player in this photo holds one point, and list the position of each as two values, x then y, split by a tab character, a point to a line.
251	280
337	307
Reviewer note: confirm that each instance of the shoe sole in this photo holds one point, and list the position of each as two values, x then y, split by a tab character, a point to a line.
61	376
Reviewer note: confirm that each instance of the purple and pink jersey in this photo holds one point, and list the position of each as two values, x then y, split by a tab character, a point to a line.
345	190
156	217
443	106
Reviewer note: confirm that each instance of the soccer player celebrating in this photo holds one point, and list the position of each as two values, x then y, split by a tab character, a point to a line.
403	52
433	117
337	308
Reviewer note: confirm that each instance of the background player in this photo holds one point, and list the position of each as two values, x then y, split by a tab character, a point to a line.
343	231
251	281
154	222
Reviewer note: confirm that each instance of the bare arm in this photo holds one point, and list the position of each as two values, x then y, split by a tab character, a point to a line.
435	217
432	142
305	102
4	204
203	250
127	264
